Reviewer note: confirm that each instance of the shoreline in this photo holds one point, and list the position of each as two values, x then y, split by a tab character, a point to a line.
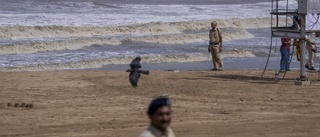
229	64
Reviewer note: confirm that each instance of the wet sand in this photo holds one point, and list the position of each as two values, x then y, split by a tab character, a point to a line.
232	103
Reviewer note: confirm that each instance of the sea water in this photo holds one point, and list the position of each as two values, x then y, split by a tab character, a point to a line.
108	34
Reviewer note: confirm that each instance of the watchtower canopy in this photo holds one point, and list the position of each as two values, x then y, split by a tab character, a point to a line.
302	18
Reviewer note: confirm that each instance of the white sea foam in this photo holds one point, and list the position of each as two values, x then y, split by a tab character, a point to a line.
18	32
228	34
72	44
71	38
156	58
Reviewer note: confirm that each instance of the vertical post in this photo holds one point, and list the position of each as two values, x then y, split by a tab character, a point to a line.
287	14
271	17
277	10
302	41
271	20
302	10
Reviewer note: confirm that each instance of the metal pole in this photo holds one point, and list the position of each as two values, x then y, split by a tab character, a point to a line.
319	71
265	68
277	10
275	47
287	14
271	16
302	41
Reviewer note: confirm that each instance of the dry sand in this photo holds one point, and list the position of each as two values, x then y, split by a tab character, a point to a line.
102	103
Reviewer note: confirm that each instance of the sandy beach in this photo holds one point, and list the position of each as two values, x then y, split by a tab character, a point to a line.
231	103
62	69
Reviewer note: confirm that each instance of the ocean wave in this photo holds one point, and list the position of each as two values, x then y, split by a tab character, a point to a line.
72	38
96	63
104	5
73	44
22	32
42	46
228	34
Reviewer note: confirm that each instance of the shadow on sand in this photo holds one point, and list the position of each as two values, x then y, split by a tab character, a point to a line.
251	79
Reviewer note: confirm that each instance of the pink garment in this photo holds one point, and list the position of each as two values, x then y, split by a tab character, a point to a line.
285	44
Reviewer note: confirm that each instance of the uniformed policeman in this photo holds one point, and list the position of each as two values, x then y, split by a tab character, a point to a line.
215	47
159	112
312	49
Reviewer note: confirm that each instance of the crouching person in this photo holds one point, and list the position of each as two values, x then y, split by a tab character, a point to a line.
159	112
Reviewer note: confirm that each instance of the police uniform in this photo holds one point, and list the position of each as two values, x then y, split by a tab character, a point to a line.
311	47
214	48
151	131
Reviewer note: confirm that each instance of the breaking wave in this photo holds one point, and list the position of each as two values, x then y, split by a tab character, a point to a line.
25	39
78	43
42	46
96	63
21	32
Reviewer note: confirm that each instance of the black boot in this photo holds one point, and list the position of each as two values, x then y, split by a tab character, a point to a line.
312	68
307	66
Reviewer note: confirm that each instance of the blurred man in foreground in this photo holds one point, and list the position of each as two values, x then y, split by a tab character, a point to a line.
159	112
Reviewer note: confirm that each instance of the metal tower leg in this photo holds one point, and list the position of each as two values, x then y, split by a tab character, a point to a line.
303	76
302	41
265	68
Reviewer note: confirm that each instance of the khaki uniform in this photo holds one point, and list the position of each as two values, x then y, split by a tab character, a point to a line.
312	55
214	36
151	131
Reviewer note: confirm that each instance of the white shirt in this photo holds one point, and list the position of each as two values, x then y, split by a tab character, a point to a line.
151	131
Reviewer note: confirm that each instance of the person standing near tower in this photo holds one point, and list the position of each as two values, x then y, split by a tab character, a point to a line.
285	54
312	49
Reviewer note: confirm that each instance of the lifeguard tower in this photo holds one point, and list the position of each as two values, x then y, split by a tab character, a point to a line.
306	14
